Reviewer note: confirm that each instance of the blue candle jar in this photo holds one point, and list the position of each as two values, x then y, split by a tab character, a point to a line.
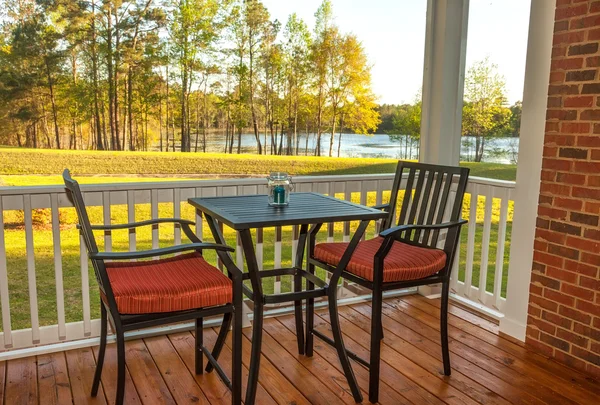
280	185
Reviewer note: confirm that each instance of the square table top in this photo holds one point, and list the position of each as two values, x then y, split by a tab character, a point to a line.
253	211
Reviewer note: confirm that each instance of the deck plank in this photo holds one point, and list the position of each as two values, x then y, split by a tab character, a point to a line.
148	381
470	370
211	385
21	382
81	366
2	381
428	327
287	367
109	378
181	384
53	379
474	389
321	372
387	394
570	383
278	387
413	391
437	386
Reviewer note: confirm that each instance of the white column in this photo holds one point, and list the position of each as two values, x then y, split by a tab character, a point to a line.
443	87
443	80
533	122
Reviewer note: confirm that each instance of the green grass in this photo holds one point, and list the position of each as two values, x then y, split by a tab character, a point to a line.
29	162
47	164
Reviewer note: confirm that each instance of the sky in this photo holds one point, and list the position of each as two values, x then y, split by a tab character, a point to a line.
393	35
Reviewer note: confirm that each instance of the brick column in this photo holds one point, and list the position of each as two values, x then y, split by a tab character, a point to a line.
564	308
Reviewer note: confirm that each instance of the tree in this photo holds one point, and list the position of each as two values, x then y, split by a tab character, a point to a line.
406	123
515	119
297	44
484	114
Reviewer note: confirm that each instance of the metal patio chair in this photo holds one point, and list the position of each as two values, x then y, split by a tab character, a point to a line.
414	248
146	293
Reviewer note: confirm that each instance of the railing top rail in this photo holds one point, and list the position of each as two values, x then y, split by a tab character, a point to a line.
20	190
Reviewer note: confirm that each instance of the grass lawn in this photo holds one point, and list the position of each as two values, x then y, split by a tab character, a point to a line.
42	168
14	161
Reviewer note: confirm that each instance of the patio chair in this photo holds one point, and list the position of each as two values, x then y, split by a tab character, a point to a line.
147	293
416	249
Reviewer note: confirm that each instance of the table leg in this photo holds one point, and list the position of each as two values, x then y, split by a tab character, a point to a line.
298	287
310	304
333	311
257	322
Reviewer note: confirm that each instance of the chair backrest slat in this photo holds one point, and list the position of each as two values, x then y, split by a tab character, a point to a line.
428	199
407	196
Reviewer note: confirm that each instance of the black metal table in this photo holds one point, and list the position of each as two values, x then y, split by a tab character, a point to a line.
243	213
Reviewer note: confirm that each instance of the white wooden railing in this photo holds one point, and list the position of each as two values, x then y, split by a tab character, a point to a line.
111	197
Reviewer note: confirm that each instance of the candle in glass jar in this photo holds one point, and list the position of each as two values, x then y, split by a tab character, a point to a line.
279	195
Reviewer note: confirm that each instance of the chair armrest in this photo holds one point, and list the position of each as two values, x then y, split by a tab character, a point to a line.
383	207
143	223
158	252
402	228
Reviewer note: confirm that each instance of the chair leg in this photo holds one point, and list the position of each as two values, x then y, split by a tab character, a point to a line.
236	348
101	351
381	329
298	313
444	327
120	366
198	349
339	345
225	325
376	337
257	325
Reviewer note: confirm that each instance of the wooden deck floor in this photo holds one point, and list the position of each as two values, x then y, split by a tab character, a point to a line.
487	368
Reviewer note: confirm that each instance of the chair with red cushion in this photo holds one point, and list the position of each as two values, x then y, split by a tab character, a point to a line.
146	293
416	246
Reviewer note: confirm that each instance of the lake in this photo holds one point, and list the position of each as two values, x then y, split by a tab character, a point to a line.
498	150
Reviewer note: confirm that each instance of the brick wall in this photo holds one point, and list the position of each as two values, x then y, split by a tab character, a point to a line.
564	306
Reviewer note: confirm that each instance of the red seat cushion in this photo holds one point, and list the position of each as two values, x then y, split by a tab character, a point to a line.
166	285
403	262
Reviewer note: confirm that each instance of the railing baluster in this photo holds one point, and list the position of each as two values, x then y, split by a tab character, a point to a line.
58	270
199	228
154	215
471	240
260	247
277	259
454	272
330	225
347	197
485	245
378	201
177	214
85	288
131	218
4	297
107	220
500	249
33	298
363	201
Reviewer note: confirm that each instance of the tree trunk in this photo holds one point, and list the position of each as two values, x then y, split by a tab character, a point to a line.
332	133
98	128
129	105
53	102
340	140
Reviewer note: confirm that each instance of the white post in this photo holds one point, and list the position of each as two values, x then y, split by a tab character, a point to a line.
527	190
443	81
443	87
